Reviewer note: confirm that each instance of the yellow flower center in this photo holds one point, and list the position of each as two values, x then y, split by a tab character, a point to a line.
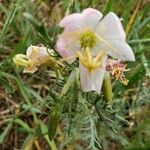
87	39
90	62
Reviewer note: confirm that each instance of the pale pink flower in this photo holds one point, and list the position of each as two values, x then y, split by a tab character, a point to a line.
91	38
35	57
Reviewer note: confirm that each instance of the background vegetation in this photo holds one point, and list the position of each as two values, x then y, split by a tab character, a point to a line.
41	111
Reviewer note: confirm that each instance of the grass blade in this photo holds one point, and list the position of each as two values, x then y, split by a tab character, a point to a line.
9	21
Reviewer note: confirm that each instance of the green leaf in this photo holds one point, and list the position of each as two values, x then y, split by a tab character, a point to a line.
145	64
134	76
9	20
73	79
5	132
23	124
40	28
53	121
28	142
44	131
31	108
108	6
19	84
21	88
77	5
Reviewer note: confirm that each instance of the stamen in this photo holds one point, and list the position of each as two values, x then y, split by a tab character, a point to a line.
87	56
89	61
100	55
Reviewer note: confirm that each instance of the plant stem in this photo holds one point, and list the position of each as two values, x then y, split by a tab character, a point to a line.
52	145
139	41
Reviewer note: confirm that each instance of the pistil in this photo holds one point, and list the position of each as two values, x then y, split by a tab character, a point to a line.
89	61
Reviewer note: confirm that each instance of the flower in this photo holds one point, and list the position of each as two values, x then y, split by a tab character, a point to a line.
91	38
117	69
35	57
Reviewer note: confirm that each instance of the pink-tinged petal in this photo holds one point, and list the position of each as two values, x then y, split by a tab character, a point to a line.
92	17
67	46
44	54
92	81
113	38
29	51
38	53
72	22
77	21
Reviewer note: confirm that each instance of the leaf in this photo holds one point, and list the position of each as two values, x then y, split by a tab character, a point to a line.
39	27
136	73
77	6
31	108
73	79
21	88
5	132
23	124
108	6
19	84
53	121
133	76
28	142
9	20
145	64
44	131
22	44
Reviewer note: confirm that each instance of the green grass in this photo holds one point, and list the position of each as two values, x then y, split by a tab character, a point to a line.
46	112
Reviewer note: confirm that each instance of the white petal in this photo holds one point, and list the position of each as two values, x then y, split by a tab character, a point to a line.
72	22
67	46
77	21
110	27
92	81
111	31
122	51
118	50
92	17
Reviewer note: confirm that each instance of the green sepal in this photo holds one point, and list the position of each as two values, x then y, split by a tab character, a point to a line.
107	88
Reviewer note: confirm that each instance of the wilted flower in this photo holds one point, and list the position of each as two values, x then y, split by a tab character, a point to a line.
117	69
90	38
35	57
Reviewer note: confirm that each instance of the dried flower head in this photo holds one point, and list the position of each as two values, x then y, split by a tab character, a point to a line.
35	57
117	69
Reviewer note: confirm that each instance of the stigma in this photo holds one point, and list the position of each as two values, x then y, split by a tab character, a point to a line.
87	38
88	61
